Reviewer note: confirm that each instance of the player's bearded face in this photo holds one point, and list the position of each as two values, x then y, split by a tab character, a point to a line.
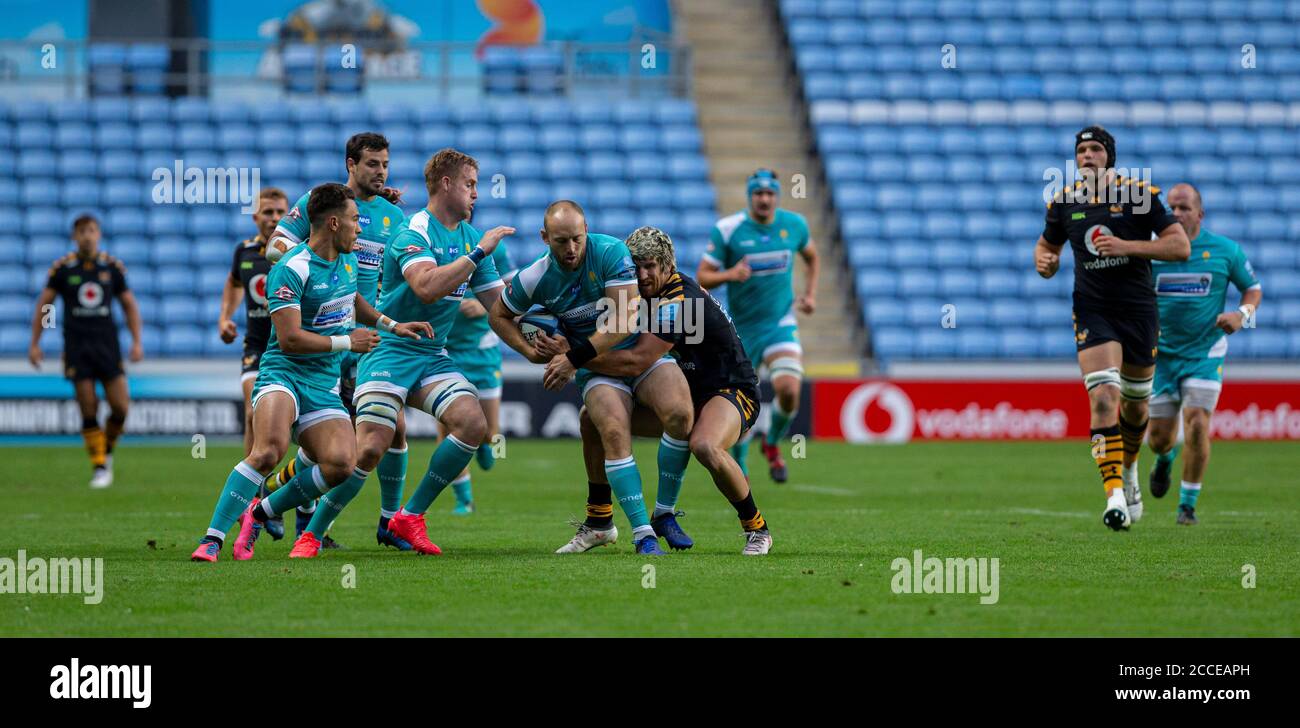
650	278
371	171
763	202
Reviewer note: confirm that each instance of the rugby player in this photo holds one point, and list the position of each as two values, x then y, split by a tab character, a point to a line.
248	276
588	281
1109	221
753	252
313	302
476	350
366	159
1194	332
88	281
432	260
690	324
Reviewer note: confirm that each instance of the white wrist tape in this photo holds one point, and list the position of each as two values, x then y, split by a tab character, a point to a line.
340	343
1246	310
386	324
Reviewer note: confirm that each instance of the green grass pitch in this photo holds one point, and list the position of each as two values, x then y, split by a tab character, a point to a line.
839	523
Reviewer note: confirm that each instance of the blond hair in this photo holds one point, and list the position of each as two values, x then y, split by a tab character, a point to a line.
651	243
445	163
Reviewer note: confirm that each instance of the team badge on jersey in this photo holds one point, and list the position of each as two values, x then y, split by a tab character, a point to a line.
284	293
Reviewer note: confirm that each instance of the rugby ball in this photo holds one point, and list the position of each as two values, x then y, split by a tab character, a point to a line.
534	321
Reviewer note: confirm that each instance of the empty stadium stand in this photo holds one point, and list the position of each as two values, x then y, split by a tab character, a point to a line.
627	161
935	121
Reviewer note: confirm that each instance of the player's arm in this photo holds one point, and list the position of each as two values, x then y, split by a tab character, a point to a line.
808	301
1243	277
292	229
431	282
131	308
1047	257
231	293
502	320
710	273
616	323
1047	251
292	338
34	353
368	315
633	360
1172	245
470	308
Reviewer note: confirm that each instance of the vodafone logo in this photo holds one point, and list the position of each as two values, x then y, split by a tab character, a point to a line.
853	415
1094	232
90	295
257	289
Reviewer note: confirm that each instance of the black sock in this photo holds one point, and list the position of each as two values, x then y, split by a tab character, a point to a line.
383	522
212	539
600	505
259	514
750	517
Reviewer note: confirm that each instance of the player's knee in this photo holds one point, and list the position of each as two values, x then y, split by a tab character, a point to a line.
613	438
263	457
678	421
1103	390
336	468
1162	438
1135	389
471	430
1197	423
707	453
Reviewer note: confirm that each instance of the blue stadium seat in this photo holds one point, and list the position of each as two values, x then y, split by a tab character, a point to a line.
894	343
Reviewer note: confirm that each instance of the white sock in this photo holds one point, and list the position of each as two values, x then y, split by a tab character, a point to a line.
1191	486
661	509
641	532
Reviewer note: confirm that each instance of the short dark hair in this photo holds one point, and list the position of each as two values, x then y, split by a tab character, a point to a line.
83	220
326	200
365	140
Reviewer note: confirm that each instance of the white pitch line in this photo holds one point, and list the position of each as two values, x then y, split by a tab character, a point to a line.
823	490
1054	514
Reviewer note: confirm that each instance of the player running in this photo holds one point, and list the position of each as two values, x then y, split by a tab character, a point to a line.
313	302
686	321
588	281
88	281
1109	220
752	251
476	350
366	158
248	275
1194	332
434	257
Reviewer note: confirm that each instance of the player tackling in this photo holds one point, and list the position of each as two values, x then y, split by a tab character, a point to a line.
1109	221
682	318
588	281
1194	332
